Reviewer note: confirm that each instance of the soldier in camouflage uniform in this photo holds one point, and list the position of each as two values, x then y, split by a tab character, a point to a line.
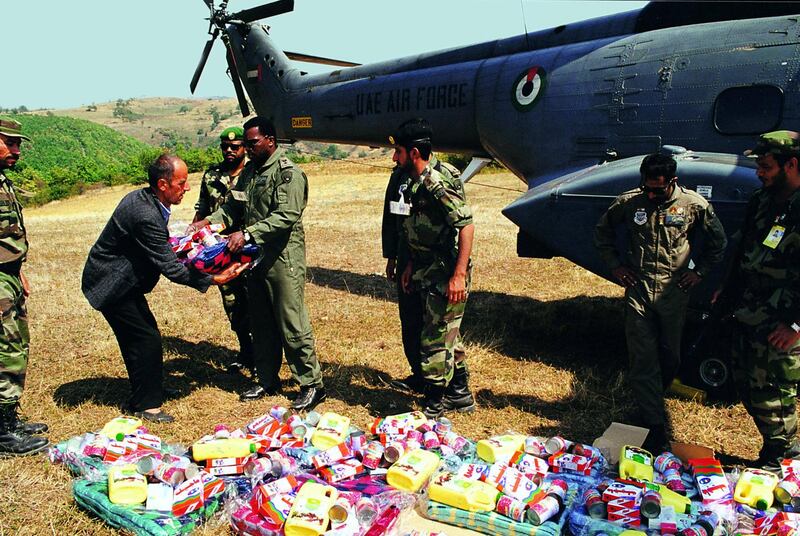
214	187
16	437
437	231
396	254
267	203
659	217
764	283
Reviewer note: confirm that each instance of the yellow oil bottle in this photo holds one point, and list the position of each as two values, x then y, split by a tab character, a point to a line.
497	447
229	447
126	485
755	488
470	495
636	463
412	470
309	515
331	430
120	425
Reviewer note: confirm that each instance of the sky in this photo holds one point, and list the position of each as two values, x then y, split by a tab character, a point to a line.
69	54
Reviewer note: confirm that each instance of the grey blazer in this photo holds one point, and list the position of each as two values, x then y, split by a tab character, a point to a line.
132	253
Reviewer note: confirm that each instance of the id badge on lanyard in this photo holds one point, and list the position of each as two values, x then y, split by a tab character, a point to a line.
400	208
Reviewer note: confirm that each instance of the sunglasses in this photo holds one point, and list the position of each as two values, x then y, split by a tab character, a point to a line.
657	190
234	146
253	143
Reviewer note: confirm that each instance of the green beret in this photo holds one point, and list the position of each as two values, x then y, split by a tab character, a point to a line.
232	133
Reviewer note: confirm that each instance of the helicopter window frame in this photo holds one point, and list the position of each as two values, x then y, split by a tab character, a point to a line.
748	110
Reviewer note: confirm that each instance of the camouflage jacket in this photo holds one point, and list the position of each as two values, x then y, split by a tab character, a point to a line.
438	210
658	236
214	188
391	224
268	203
13	239
768	264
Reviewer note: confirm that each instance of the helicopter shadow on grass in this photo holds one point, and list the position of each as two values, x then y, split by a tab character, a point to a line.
578	331
187	366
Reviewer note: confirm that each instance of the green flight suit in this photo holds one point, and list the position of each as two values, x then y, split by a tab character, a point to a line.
268	203
15	340
658	251
410	304
438	210
767	282
214	188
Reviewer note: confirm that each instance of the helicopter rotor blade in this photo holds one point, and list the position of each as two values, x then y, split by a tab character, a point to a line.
263	11
203	59
237	82
308	58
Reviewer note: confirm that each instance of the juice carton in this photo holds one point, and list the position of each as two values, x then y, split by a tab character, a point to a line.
211	485
755	488
710	478
344	470
188	496
635	463
470	495
331	430
310	511
512	483
332	455
411	420
501	446
120	425
473	471
277	508
232	447
126	485
532	466
412	470
564	462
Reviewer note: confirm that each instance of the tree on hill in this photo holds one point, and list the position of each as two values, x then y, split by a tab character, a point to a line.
123	110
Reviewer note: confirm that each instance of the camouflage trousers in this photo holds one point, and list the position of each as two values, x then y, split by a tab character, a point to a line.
412	312
441	349
766	379
15	340
234	301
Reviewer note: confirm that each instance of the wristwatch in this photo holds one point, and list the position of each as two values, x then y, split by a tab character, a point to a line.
247	238
795	326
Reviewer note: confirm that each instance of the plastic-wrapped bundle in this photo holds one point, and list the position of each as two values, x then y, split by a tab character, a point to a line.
214	259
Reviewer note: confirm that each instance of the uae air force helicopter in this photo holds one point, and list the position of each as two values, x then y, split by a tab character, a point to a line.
569	110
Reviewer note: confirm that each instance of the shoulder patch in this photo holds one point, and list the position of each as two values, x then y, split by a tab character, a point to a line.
285	163
286	176
454	171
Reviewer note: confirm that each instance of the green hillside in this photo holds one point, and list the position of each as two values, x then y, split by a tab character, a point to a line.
67	155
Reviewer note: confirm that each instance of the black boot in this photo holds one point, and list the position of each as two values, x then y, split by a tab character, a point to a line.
773	453
432	404
15	443
30	428
457	396
245	358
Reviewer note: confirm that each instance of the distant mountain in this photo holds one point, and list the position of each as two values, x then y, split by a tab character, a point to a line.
67	154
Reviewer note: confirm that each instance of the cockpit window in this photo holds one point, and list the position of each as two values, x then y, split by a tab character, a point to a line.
748	109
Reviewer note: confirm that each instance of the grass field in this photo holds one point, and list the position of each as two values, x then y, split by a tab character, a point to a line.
544	339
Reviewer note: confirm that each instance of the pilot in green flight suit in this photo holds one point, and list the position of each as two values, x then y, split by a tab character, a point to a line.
658	218
267	203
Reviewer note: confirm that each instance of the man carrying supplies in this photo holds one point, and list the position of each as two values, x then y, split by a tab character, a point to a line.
215	186
657	272
437	230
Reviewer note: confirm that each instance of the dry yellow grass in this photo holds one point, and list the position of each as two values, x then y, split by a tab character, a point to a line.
544	339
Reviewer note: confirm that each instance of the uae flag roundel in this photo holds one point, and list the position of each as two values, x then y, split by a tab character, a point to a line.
527	88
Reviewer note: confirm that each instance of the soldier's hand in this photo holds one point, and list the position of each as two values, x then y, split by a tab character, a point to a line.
230	273
716	295
625	276
235	241
405	279
783	337
196	226
391	266
457	289
688	280
26	287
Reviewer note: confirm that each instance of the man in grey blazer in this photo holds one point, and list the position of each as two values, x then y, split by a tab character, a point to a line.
126	262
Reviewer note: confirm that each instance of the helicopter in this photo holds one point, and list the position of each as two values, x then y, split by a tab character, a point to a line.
570	110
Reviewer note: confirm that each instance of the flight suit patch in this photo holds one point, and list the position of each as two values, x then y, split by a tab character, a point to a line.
640	216
239	195
676	216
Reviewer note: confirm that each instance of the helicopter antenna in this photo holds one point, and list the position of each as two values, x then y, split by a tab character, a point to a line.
524	23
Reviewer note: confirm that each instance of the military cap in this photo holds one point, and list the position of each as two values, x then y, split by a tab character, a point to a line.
232	133
12	129
415	130
785	142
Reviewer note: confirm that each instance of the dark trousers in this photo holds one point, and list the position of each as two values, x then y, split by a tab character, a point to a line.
411	312
140	344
